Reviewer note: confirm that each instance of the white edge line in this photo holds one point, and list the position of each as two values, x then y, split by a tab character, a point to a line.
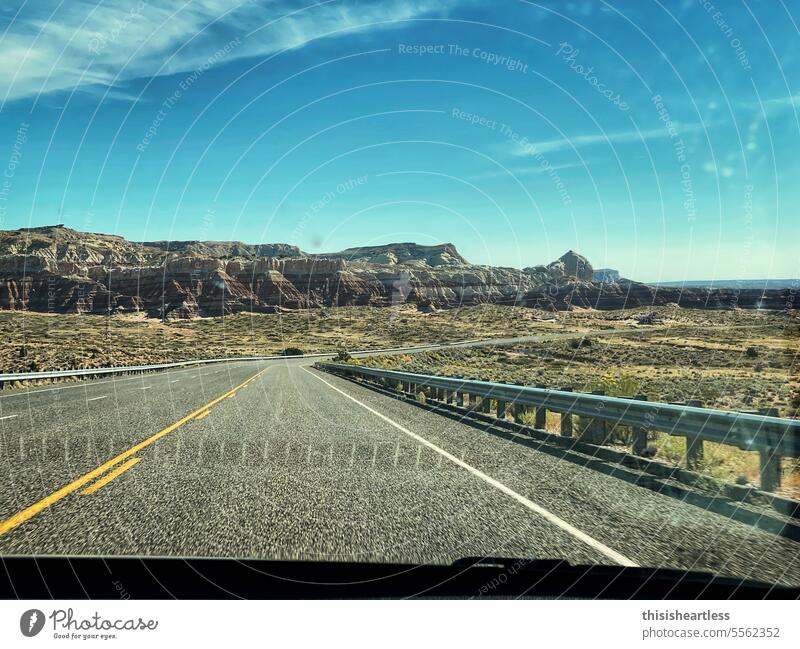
105	396
8	417
544	513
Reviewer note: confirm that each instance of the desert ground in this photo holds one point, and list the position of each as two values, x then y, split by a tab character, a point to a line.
37	341
733	359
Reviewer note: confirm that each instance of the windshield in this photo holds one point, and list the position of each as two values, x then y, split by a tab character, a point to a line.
398	283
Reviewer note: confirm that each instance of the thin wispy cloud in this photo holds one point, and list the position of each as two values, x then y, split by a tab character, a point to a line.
791	100
532	170
532	148
51	46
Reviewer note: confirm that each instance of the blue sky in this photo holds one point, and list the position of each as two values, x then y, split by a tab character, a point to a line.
659	138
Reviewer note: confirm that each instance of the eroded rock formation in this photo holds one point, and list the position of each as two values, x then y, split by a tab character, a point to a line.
56	269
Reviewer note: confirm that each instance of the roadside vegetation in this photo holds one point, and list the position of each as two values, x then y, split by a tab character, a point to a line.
740	359
709	364
37	342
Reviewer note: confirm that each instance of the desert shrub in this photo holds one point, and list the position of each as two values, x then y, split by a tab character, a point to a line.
648	319
342	356
528	416
616	384
292	351
751	352
669	448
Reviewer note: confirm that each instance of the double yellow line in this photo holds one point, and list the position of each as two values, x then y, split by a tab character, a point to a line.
29	512
108	477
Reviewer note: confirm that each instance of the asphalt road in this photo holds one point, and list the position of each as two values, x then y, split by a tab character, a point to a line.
276	460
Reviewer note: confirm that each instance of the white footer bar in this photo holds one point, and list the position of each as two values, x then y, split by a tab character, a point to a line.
408	624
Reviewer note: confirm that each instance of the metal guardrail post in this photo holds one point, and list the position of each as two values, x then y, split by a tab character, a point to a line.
501	409
694	444
460	399
638	434
566	419
599	431
769	461
540	418
515	409
590	432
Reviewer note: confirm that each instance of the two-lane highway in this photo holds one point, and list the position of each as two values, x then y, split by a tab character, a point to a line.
53	435
277	460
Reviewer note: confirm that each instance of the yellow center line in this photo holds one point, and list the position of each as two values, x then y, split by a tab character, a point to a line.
29	512
108	477
202	415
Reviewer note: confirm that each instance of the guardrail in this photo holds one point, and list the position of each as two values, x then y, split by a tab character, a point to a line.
773	437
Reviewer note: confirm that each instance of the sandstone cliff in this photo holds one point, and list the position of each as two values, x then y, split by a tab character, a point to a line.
56	269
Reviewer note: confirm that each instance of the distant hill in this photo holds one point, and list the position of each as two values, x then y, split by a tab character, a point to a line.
733	283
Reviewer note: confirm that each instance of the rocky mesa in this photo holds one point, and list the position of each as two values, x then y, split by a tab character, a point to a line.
59	270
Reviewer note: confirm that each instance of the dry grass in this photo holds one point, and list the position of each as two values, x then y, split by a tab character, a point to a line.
709	364
37	342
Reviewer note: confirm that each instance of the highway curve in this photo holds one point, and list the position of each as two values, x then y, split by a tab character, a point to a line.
277	460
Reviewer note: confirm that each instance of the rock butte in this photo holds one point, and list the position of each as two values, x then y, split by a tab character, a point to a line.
58	270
